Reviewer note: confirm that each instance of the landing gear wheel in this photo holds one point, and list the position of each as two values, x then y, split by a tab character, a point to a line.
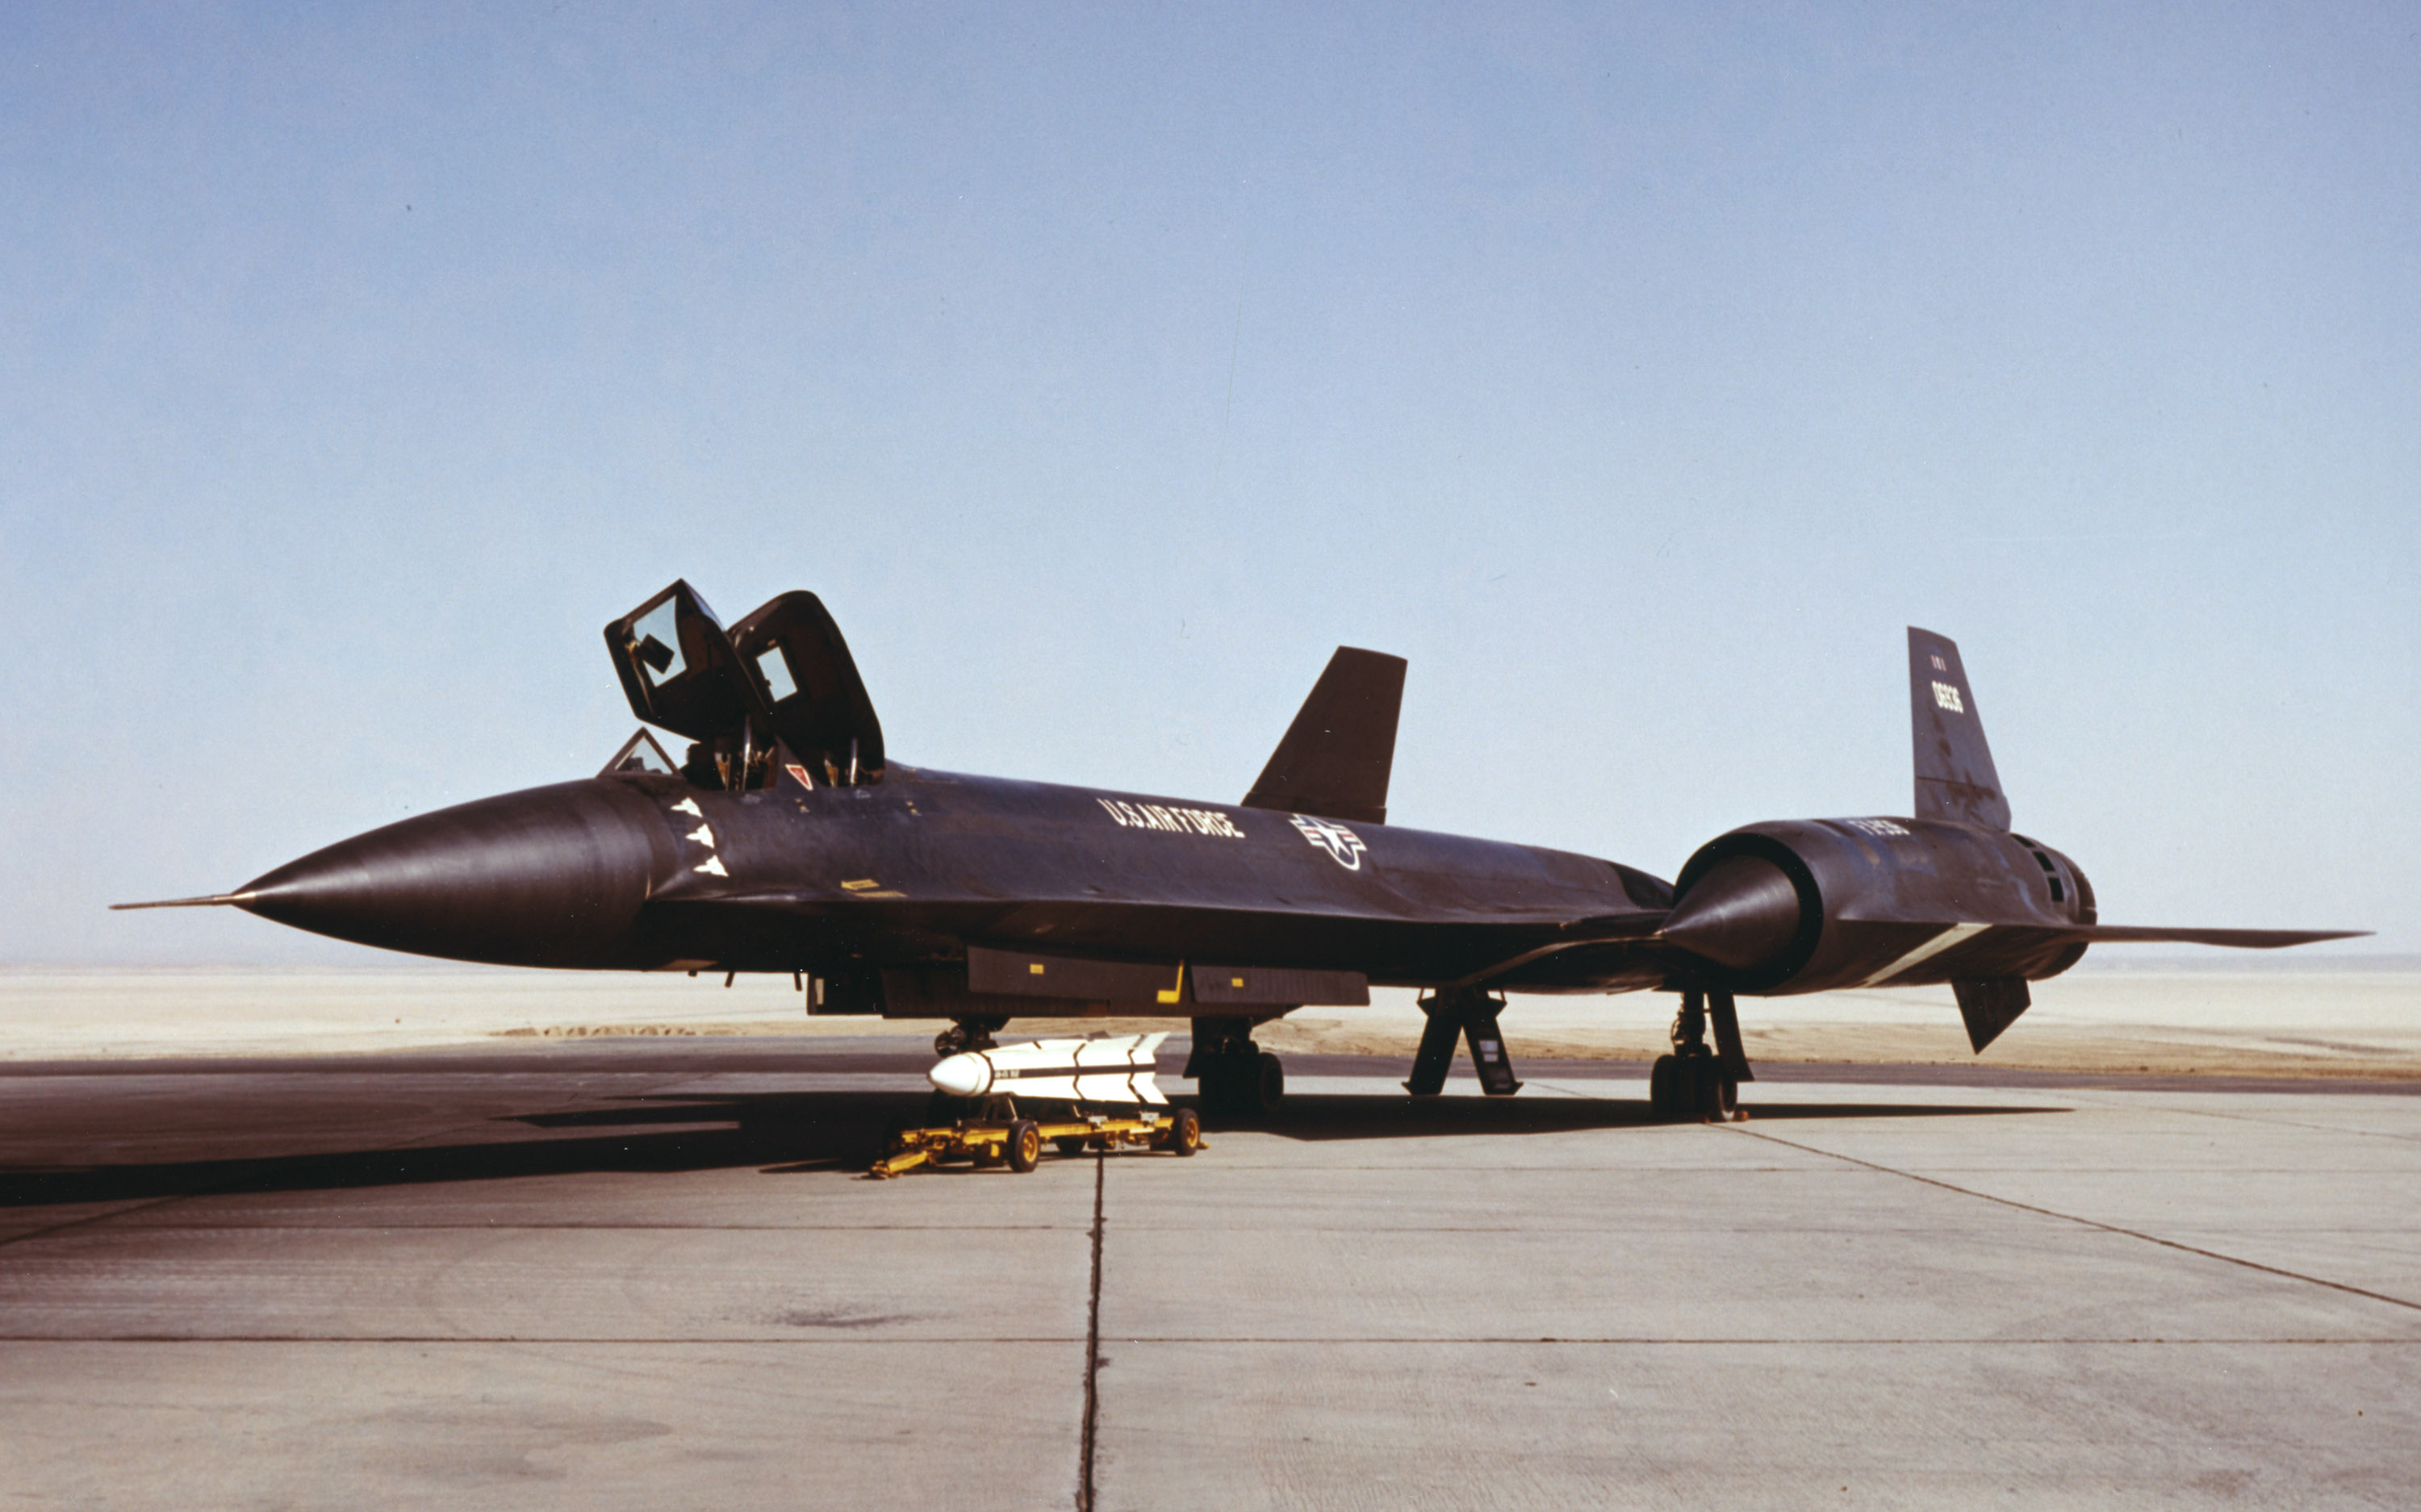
1269	1085
967	1034
1717	1097
1024	1147
1185	1132
1661	1080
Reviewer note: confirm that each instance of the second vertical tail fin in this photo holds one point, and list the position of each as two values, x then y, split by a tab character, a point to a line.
1955	779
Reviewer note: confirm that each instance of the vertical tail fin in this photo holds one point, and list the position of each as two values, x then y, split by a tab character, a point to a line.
1955	779
1336	755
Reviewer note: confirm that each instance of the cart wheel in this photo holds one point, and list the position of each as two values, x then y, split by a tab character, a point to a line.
1024	1146
988	1155
1185	1132
1070	1143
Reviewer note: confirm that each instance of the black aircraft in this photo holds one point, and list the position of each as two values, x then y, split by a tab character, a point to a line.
788	842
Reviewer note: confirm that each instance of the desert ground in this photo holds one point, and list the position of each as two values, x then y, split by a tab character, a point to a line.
2346	1018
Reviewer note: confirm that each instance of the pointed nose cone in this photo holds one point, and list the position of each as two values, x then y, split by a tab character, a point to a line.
962	1076
549	877
1743	914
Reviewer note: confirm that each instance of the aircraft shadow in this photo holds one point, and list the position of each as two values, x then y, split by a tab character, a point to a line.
1322	1117
801	1130
831	1132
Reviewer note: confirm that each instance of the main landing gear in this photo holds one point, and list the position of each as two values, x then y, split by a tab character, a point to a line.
1696	1082
1236	1076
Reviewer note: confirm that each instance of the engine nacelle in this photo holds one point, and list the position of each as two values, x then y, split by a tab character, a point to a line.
1809	905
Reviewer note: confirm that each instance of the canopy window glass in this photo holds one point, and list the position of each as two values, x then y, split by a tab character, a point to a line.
657	638
774	668
639	754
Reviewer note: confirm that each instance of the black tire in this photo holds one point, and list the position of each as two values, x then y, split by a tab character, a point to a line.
1025	1145
1185	1132
1714	1095
1070	1143
1268	1085
1660	1082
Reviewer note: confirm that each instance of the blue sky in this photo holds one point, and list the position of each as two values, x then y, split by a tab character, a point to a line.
1638	374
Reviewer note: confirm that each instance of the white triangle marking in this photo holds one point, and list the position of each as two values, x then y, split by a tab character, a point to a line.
1931	948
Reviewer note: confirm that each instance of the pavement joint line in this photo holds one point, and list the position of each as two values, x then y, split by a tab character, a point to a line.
1092	1346
2282	1123
91	1219
1255	1341
2089	1223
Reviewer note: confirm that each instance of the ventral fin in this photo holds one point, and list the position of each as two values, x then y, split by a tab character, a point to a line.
1990	1004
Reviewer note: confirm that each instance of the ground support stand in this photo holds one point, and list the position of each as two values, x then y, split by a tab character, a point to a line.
1004	1137
1697	1081
1468	1013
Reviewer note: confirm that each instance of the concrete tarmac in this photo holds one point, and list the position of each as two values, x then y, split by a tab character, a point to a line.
647	1273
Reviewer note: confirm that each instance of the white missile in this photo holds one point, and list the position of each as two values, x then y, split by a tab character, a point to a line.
1112	1068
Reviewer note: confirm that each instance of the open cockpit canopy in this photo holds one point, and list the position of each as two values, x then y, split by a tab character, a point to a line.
801	668
779	688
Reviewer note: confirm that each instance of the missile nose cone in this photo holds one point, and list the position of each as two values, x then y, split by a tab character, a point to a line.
966	1075
549	876
1743	914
